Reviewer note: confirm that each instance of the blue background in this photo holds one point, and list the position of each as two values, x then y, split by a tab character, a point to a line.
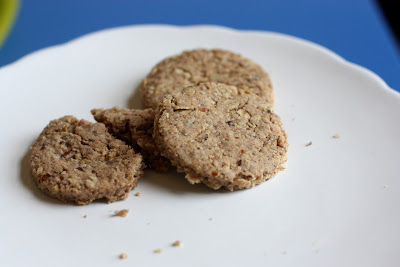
354	29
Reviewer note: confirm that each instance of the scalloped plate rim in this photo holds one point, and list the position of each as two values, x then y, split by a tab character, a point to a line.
323	50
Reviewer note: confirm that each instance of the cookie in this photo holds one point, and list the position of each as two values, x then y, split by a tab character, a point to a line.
220	136
135	127
77	161
191	67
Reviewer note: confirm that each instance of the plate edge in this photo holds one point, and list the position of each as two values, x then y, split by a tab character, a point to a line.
301	41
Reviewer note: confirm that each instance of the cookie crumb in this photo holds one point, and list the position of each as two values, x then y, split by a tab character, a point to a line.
123	256
211	219
121	213
309	143
84	216
336	136
137	194
177	243
159	250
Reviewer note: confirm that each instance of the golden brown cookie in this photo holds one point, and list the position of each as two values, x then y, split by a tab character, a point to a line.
220	136
77	161
191	67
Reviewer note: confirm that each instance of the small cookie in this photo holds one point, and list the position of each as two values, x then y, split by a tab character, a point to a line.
135	127
77	161
191	67
220	136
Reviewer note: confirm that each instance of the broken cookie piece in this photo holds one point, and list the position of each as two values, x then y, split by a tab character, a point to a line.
135	127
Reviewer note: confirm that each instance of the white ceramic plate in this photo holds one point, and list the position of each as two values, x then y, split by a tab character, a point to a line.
336	204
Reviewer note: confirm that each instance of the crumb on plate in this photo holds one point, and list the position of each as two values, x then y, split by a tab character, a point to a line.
177	243
158	250
121	213
309	143
137	194
336	136
123	256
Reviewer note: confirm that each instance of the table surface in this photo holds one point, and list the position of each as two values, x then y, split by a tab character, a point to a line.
354	29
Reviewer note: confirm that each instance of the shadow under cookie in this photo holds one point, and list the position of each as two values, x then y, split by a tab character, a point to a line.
135	100
175	182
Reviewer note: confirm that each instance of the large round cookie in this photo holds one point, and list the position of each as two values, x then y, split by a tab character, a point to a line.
220	136
77	161
191	67
134	126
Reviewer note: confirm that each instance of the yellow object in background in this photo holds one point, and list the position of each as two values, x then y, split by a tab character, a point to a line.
8	11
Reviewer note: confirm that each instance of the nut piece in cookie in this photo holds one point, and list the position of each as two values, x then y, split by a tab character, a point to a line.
77	161
220	136
135	127
201	65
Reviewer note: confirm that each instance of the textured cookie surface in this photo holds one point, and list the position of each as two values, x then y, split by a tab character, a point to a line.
135	127
192	67
77	161
220	136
